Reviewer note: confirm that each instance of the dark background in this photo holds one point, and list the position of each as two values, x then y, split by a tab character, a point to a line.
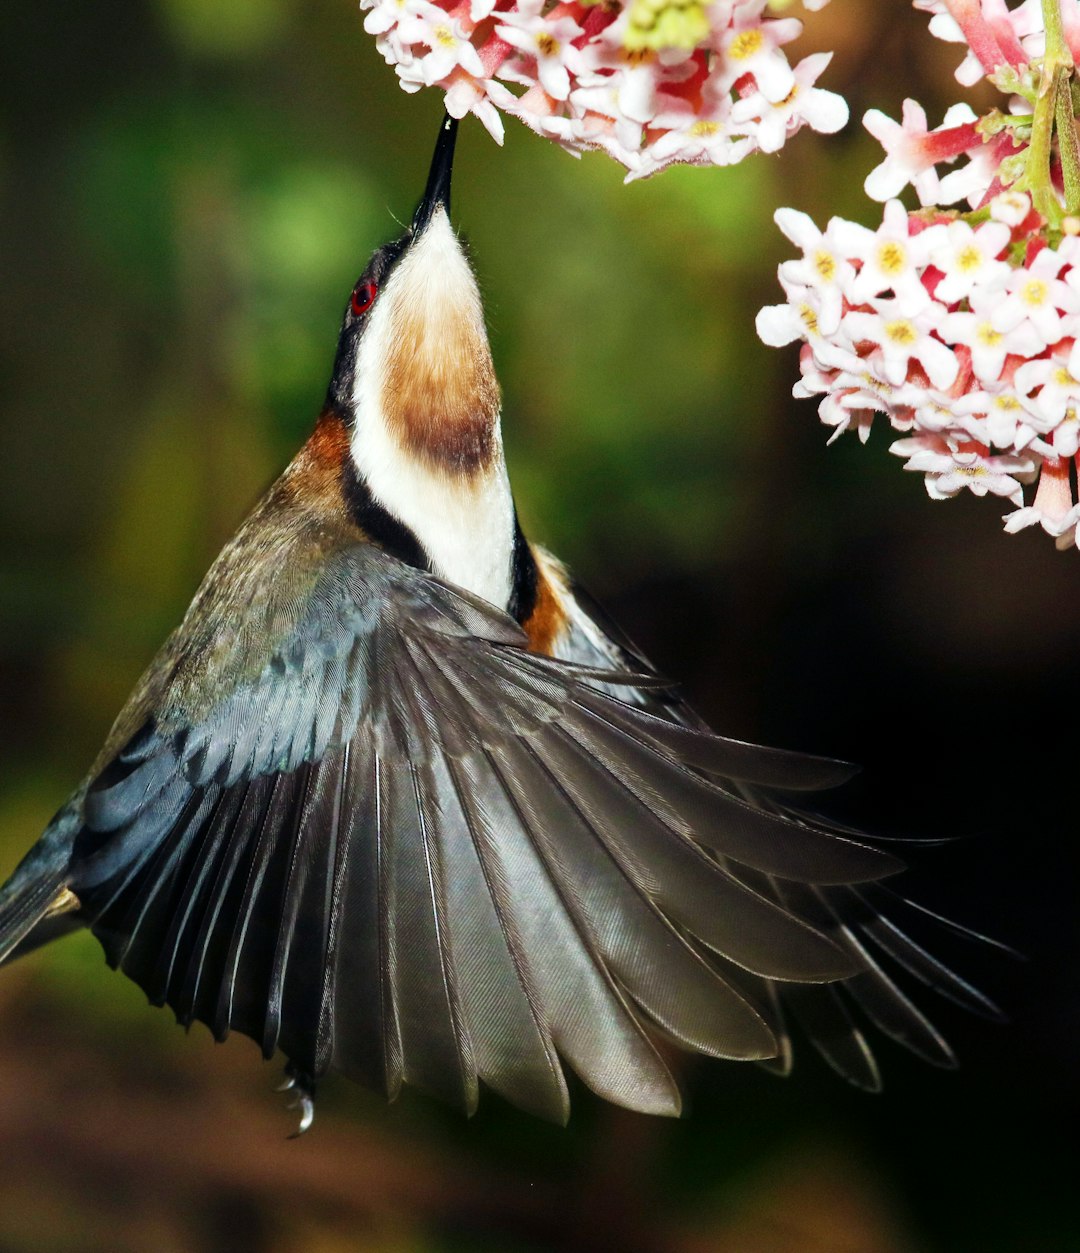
187	191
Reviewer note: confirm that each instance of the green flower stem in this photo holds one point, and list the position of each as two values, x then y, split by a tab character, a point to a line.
1053	104
1068	147
1057	50
1037	179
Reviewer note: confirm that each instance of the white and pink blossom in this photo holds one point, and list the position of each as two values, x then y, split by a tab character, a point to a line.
968	259
963	341
961	328
703	84
912	153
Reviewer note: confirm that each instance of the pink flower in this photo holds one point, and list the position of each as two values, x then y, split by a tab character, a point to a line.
912	153
1053	507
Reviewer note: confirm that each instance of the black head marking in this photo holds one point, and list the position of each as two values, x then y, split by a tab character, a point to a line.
381	266
376	273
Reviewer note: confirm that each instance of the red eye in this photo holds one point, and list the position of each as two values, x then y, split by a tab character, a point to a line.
363	298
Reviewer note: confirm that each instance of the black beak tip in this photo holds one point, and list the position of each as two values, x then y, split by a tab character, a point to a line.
437	191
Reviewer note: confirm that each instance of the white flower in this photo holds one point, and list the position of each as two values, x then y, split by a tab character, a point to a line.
967	258
988	346
973	180
751	46
980	475
903	339
843	412
697	136
1065	437
892	258
548	40
822	266
1000	417
466	95
778	325
427	24
770	123
383	14
629	91
1010	207
935	411
1037	297
1059	390
949	471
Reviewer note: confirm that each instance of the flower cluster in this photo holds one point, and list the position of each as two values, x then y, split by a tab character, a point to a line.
960	325
650	82
967	349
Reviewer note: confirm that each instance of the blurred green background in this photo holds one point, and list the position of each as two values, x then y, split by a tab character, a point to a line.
188	190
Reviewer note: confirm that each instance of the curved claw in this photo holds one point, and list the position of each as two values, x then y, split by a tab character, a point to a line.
303	1099
306	1104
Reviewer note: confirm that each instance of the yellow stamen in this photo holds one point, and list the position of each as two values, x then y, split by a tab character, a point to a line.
825	264
892	257
745	44
969	258
901	331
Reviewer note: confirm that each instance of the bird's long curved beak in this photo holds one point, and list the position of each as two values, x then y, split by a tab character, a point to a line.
437	191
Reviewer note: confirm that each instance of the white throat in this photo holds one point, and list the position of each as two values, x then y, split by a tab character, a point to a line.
465	522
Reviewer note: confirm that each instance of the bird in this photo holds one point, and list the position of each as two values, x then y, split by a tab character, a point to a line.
398	801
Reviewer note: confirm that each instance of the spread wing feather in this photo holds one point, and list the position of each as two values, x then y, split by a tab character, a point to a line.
826	1019
398	845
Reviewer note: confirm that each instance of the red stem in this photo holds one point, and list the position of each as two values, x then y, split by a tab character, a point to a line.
980	35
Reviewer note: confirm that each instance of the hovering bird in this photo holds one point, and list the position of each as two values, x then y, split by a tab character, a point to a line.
396	800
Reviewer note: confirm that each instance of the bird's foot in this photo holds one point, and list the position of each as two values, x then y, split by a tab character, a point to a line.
302	1086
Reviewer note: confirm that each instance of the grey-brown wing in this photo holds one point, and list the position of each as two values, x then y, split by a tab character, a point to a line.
405	848
872	924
